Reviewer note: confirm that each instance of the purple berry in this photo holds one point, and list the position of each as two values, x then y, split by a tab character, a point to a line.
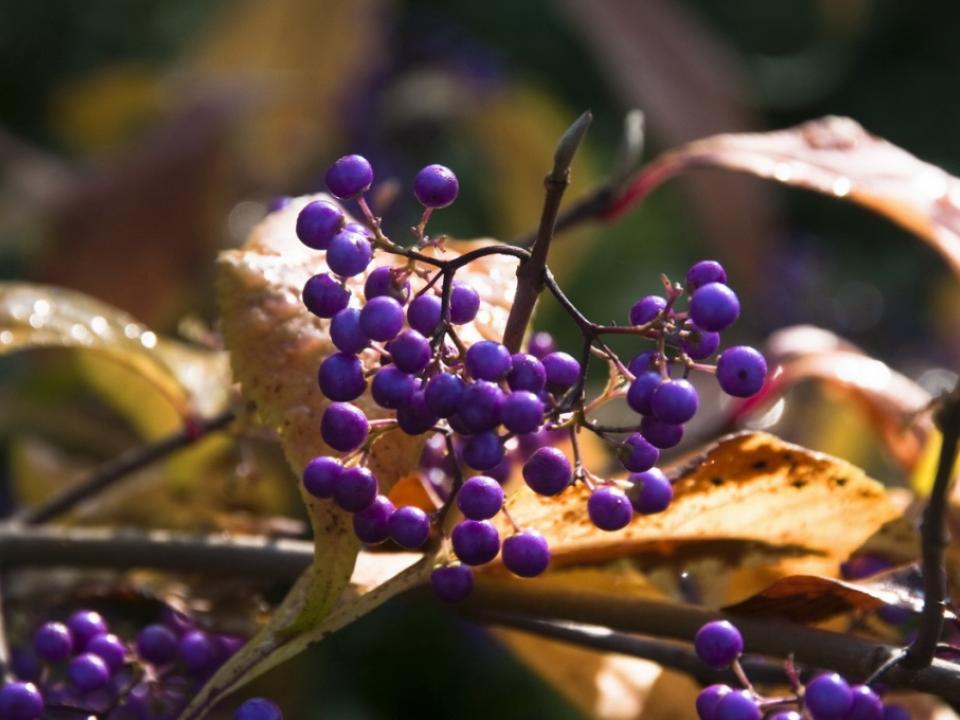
384	281
157	644
416	418
278	203
409	527
371	525
703	272
864	565
609	508
737	705
548	471
708	698
541	344
320	476
637	454
660	434
197	652
866	704
346	333
341	377
349	176
674	401
650	492
258	708
718	643
424	314
640	392
562	370
349	253
828	697
481	405
714	307
894	711
501	471
522	412
360	229
381	318
84	625
646	309
741	371
20	701
344	427
356	489
488	360
453	583
475	542
324	296
410	351
464	303
700	344
526	554
526	373
392	388
480	498
642	363
786	715
436	186
110	649
52	642
317	223
444	393
25	664
483	451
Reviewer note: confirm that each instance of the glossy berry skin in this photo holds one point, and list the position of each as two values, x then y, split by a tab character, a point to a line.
453	583
344	427
410	351
320	476
258	709
642	363
444	393
424	314
522	412
674	401
646	309
483	451
700	344
20	701
197	652
349	253
828	697
52	642
409	527
341	377
416	418
737	705
371	525
526	554
547	471
488	360
609	508
541	344
464	303
866	704
714	307
356	489
84	625
381	318
526	373
436	186
346	333
349	176
392	388
110	649
660	434
324	296
637	454
718	643
157	644
708	698
650	492
317	223
640	392
481	405
562	369
741	371
480	498
703	272
88	672
475	542
383	281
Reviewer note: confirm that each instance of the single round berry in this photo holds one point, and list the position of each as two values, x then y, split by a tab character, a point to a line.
349	253
650	492
893	711
381	318
84	625
346	333
360	229
541	344
464	303
392	388
488	360
52	642
522	412
741	371
157	644
660	434
526	554
409	527
646	309
547	471
866	704
344	427
703	272
444	393
643	363
371	525
410	351
609	508
640	392
415	418
436	186
341	377
317	223
828	697
356	489
526	373
258	709
481	405
718	643
562	370
110	649
385	281
480	498
197	652
708	698
674	401
483	451
320	476
475	542
349	176
637	454
700	344
737	705
324	296
714	307
424	314
20	701
452	583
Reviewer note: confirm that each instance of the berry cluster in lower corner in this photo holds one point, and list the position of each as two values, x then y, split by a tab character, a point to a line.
400	341
825	696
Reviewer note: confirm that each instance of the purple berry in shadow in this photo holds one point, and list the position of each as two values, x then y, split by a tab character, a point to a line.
381	318
453	583
660	434
436	186
480	498
20	701
475	542
893	711
741	371
320	476
526	554
25	665
650	492
444	393
317	223
526	373
384	281
547	471
646	309
110	649
703	272
258	709
718	643
481	405
640	392
464	303
488	360
349	176
392	388
642	363
714	307
609	508
708	698
522	412
341	377
409	527
864	565
483	451
324	296
410	351
501	471
356	489
424	314
828	697
562	370
700	344
198	652
157	644
349	253
737	705
52	642
674	401
637	454
371	525
346	333
541	344
344	427
415	418
866	704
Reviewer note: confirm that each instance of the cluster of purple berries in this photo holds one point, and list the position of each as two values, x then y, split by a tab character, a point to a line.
80	666
825	697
